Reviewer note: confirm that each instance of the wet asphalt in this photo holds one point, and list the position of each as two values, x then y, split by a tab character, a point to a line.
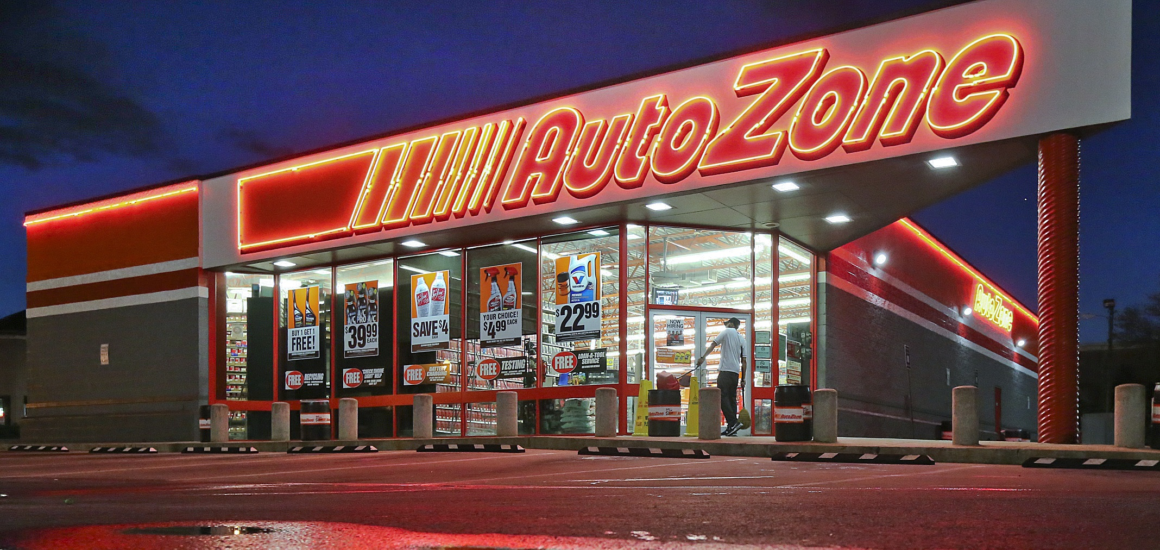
559	499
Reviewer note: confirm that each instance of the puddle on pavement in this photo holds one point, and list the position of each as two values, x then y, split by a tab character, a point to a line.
245	535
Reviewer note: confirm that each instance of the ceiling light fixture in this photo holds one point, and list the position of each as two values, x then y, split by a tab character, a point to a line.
565	220
838	218
785	187
939	163
599	233
284	263
413	244
658	206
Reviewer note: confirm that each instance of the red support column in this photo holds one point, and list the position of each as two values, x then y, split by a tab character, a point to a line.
1059	289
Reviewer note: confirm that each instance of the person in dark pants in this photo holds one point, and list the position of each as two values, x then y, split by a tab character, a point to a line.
730	372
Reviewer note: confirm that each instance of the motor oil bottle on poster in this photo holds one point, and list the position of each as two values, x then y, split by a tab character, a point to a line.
430	319
578	297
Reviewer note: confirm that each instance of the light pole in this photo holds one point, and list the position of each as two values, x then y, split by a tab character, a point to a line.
1110	305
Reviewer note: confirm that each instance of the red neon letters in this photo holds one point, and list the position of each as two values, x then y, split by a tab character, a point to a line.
460	172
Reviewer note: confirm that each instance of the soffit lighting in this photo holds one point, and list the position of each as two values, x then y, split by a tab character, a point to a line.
879	259
658	206
967	311
284	263
838	218
785	187
413	244
599	233
939	163
1021	342
565	220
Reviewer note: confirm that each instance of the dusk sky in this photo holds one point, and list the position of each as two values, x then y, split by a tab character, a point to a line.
101	97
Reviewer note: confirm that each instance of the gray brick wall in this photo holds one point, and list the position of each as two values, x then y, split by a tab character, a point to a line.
150	390
862	356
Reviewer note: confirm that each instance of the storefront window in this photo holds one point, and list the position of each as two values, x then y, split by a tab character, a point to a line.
794	308
699	267
501	317
364	302
304	334
635	338
430	332
579	284
764	375
248	347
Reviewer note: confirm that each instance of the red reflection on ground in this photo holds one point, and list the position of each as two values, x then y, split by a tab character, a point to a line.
243	535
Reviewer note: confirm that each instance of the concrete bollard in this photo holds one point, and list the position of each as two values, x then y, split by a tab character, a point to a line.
965	416
826	416
348	419
422	417
280	421
1131	408
507	405
219	423
709	423
606	408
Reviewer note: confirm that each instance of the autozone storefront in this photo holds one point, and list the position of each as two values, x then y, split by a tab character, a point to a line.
590	240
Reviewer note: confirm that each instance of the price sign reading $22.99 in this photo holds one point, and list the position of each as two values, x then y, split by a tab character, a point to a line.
578	297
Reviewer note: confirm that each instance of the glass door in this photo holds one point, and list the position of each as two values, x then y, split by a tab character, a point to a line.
680	337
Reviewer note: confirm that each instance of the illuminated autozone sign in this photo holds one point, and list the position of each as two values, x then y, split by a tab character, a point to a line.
991	307
794	102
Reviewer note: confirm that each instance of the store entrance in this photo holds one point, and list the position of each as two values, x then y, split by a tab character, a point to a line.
681	336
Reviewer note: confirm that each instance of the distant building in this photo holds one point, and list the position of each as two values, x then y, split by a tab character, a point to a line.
13	374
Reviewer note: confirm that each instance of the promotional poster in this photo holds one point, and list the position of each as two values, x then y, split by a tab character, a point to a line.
362	320
430	319
578	297
433	373
501	305
302	338
503	368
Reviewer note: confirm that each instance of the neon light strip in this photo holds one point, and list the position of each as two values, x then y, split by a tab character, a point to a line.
965	267
110	204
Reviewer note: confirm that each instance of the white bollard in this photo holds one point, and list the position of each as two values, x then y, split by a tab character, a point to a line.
965	416
507	405
826	416
348	419
709	423
422	417
606	409
1131	409
280	421
219	423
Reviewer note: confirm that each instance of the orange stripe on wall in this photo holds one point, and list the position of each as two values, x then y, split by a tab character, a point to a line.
138	234
145	284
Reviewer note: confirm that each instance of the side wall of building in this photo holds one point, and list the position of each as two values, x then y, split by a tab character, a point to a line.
117	303
896	340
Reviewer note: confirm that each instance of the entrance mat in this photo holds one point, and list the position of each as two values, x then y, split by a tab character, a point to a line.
229	450
470	448
39	448
130	450
334	449
854	458
1094	464
644	451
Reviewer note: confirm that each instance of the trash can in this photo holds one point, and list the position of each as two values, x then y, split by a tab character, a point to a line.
314	419
664	413
946	430
789	420
1155	417
203	423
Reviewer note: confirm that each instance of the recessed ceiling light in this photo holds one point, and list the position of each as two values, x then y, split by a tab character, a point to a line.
879	259
449	253
785	187
658	206
565	220
838	218
939	163
284	263
599	233
413	244
1021	342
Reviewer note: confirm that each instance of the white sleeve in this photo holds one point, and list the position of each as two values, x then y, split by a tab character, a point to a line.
744	347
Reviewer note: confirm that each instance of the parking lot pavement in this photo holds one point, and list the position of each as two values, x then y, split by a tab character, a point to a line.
643	501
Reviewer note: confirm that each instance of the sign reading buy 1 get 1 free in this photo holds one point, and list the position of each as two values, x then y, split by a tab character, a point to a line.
578	297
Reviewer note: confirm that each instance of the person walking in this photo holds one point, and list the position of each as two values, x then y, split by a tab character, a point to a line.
730	371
